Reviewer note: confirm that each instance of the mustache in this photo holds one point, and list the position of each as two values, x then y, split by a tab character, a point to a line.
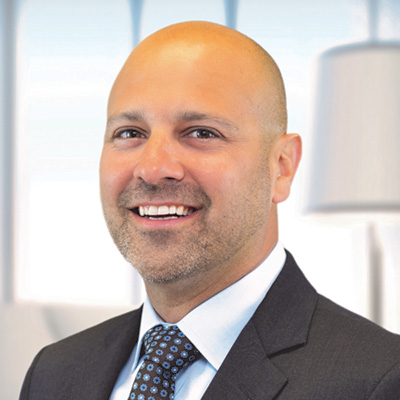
180	192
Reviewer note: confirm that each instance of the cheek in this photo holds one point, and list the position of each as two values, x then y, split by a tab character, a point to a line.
115	174
246	182
222	178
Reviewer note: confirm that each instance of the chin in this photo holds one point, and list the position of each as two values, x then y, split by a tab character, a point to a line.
153	273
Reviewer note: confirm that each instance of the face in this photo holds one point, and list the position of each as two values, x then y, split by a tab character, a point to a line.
185	181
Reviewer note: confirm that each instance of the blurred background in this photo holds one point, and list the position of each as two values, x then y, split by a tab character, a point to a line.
59	267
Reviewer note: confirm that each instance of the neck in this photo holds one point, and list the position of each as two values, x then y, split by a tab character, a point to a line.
174	300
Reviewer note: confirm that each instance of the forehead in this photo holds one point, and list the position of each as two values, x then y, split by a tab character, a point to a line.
187	76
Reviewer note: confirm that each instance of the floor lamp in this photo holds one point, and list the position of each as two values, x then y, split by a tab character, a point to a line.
355	161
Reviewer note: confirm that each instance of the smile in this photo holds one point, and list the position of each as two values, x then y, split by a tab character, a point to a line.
163	212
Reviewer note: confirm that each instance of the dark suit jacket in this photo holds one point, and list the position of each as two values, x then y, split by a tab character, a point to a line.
298	346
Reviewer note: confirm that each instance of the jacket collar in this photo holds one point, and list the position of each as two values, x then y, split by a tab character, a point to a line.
119	345
112	349
281	323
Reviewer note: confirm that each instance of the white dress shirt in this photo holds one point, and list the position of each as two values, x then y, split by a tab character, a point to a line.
212	327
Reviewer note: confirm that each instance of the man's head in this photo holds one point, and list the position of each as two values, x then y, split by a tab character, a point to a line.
196	126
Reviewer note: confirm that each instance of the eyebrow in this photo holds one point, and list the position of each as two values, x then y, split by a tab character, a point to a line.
131	116
185	116
194	116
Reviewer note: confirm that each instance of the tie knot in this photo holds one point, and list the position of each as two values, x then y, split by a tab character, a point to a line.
168	347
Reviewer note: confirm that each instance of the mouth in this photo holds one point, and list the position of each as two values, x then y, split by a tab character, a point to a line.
163	212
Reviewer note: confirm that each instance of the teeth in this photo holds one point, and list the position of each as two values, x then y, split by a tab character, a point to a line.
164	212
165	217
153	210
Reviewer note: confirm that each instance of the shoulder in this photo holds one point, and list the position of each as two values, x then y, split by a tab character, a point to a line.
331	321
352	334
80	357
95	338
347	355
343	319
336	353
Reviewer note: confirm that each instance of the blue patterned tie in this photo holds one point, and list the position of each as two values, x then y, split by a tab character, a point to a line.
167	352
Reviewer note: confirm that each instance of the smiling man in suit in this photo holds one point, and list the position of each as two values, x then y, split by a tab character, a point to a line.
196	158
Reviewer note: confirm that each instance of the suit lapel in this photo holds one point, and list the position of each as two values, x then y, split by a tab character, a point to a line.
109	355
119	346
246	373
281	323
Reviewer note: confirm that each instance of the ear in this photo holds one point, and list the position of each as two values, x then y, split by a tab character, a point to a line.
285	158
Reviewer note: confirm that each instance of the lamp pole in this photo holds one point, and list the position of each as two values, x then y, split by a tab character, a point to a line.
375	274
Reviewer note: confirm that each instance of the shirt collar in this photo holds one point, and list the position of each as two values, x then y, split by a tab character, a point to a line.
229	311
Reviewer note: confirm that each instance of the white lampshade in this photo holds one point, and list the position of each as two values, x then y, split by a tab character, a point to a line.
355	162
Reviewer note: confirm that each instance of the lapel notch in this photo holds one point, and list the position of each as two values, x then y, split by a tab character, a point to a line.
246	373
284	317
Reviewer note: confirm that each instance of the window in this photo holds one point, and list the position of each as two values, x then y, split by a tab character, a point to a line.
68	54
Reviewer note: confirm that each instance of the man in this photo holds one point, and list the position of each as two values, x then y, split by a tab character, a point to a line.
196	158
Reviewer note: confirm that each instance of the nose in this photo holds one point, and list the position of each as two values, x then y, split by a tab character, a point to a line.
158	160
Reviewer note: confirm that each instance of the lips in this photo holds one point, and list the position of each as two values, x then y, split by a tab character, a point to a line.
163	212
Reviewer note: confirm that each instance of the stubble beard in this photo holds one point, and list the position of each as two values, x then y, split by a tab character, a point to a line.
159	257
170	255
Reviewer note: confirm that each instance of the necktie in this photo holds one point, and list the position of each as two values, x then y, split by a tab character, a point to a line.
167	352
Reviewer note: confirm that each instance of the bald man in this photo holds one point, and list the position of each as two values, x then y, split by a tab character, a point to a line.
195	160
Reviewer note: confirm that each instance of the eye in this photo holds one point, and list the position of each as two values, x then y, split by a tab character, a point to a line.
129	134
202	134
